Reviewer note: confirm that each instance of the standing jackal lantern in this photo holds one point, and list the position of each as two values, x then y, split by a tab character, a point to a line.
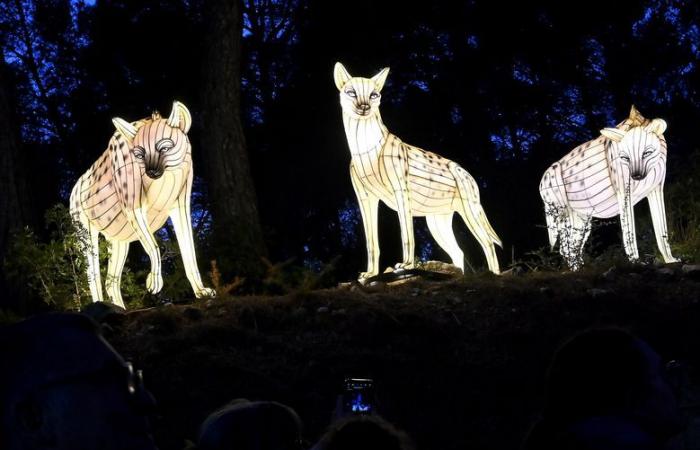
411	181
606	177
142	179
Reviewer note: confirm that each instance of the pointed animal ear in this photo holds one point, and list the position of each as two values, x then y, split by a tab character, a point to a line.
340	75
635	114
180	117
657	126
635	118
614	134
125	128
380	78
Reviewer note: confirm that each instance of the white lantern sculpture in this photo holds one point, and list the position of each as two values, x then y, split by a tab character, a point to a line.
606	177
411	181
144	177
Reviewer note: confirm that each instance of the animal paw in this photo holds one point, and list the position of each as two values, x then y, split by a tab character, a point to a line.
205	292
404	266
154	283
364	276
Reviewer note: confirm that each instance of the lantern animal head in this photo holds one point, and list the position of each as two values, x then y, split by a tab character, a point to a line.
638	146
359	97
157	144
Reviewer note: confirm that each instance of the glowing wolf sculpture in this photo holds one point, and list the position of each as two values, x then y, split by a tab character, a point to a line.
144	177
605	177
409	180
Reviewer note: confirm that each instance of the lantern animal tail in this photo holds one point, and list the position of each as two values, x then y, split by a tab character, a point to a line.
485	224
474	215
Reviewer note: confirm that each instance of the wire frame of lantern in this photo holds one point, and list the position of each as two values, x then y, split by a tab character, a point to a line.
411	181
605	177
143	178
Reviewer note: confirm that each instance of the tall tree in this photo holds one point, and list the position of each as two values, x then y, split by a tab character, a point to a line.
237	235
14	201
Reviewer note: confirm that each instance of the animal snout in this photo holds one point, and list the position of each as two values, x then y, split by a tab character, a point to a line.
364	107
637	176
154	173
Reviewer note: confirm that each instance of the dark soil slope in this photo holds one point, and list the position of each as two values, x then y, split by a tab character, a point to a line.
457	364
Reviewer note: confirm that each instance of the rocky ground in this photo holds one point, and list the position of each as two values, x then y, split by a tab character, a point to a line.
457	363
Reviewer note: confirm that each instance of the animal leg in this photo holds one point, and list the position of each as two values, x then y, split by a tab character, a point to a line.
369	208
629	233
403	203
658	217
117	257
138	220
440	226
573	231
90	246
554	198
180	216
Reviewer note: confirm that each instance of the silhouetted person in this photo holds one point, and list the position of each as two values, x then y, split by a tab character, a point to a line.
245	425
63	387
606	390
364	432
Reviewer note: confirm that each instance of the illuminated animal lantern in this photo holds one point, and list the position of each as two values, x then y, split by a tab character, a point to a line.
604	178
142	179
409	180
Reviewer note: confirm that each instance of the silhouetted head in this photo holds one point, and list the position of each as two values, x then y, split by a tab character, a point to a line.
610	372
364	432
63	387
158	144
244	425
359	97
638	146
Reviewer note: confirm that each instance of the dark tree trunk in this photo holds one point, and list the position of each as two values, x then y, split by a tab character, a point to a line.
14	201
237	235
15	204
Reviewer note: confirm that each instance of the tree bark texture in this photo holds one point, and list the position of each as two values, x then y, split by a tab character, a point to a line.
238	243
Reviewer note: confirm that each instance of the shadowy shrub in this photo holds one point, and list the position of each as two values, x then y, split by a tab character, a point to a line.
683	210
54	269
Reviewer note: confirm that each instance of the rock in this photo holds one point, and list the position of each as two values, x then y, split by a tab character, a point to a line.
209	303
515	271
439	267
665	272
545	290
610	274
346	286
595	292
691	270
323	310
375	286
103	312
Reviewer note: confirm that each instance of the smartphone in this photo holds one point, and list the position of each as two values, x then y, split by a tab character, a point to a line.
358	396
